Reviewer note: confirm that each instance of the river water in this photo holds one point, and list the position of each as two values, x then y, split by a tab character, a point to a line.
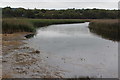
76	51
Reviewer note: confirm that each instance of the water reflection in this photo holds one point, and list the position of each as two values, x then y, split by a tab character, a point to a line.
74	50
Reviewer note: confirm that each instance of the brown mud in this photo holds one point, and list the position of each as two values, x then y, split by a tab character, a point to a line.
20	61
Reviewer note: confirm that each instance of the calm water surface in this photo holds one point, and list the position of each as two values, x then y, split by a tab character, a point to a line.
76	51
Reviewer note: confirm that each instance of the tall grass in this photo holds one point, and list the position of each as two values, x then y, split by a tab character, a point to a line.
46	22
29	25
16	25
106	28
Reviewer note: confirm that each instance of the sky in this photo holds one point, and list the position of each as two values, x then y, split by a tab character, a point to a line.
61	4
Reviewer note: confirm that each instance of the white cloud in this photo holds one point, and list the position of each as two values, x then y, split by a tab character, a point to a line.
62	5
59	0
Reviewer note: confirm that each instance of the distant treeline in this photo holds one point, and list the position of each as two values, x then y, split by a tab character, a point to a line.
60	14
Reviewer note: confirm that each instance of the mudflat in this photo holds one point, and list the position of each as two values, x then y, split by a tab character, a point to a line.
20	61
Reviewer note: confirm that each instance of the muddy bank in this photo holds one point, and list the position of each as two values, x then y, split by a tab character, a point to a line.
20	61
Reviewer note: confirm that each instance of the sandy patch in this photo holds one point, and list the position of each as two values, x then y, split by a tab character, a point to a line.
20	61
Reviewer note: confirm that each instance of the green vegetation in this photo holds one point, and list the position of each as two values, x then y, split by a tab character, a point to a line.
60	14
46	22
27	20
10	25
106	28
16	25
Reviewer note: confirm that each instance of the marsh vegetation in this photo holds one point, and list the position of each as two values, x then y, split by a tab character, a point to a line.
108	29
10	25
16	25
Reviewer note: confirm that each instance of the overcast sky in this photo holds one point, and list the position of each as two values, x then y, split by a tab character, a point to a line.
61	4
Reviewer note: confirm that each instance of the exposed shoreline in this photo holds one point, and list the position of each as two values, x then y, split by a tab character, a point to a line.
20	61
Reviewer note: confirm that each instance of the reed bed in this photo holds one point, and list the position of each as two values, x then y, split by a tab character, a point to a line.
11	25
46	22
106	28
16	25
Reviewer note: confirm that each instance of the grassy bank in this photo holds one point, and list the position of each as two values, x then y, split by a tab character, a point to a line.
106	28
16	25
46	22
29	25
